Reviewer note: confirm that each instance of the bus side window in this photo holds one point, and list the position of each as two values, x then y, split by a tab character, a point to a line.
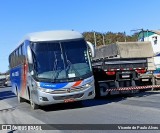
17	54
14	59
20	55
10	61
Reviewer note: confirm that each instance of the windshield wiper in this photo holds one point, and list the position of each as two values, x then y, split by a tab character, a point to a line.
55	70
42	79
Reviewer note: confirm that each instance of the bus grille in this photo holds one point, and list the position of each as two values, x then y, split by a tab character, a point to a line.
62	91
68	96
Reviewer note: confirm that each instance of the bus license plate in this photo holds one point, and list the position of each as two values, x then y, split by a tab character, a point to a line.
69	100
145	79
125	76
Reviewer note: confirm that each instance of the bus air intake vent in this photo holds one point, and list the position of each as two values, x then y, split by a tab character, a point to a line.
68	96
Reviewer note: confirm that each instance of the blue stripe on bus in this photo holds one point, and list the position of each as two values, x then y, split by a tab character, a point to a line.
52	86
15	77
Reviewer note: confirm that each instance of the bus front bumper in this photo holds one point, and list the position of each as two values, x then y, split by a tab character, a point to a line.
43	98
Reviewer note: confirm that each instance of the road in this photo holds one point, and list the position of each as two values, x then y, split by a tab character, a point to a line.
141	108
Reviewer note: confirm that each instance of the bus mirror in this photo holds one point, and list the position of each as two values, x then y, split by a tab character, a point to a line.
29	55
92	49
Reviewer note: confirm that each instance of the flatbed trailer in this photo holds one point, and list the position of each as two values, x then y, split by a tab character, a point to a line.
123	68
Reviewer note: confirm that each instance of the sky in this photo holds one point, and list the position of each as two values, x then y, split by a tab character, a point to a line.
20	17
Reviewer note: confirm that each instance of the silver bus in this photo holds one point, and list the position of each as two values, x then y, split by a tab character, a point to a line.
52	67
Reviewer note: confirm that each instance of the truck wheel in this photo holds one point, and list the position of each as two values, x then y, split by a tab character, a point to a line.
134	91
101	90
97	90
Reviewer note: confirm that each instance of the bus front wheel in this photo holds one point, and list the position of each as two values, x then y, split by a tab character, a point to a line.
18	96
33	105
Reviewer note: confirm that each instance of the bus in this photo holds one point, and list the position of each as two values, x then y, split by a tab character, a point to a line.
52	67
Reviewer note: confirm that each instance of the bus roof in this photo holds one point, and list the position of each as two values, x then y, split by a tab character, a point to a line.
53	35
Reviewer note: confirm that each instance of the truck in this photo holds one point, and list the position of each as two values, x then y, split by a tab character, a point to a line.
123	67
7	81
153	36
2	80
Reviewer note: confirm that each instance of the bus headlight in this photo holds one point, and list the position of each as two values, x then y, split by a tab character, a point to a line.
45	90
36	85
88	85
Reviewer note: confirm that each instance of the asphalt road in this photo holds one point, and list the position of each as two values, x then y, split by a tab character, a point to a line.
141	108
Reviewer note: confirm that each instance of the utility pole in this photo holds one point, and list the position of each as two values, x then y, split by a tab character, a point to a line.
95	41
147	36
103	39
125	36
143	34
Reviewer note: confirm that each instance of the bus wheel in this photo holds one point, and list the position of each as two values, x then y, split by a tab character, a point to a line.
19	98
33	105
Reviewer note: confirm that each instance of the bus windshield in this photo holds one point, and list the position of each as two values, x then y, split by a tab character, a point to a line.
61	61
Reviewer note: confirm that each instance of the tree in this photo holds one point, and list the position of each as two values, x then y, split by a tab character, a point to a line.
109	37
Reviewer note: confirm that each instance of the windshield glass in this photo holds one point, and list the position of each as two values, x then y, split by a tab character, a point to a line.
61	61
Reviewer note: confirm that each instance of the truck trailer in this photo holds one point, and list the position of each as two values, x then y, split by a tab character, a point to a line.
123	67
